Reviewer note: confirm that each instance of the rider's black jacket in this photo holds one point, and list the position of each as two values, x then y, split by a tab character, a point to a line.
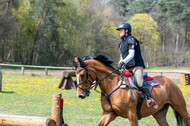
130	42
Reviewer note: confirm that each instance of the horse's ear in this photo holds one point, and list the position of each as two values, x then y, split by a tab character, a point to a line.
81	62
75	62
76	59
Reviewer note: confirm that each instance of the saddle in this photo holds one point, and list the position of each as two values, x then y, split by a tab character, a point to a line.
133	84
150	83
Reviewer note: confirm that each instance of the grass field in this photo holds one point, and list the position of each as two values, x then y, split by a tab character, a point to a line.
31	95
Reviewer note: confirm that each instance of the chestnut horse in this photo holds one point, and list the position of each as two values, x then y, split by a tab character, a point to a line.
115	101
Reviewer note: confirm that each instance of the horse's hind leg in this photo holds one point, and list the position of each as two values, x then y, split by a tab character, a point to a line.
177	102
160	116
182	111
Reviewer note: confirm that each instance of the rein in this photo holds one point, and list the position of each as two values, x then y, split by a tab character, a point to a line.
107	96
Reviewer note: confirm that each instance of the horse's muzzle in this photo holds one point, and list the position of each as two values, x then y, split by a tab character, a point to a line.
83	95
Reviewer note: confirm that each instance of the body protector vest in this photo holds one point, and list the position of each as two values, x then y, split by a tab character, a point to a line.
127	43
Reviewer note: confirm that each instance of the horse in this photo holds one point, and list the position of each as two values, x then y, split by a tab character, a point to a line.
98	71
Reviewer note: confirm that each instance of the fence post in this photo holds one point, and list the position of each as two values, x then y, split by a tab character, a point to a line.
46	71
161	74
56	113
22	70
1	76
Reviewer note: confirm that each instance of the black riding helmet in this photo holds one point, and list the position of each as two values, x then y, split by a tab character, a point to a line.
124	25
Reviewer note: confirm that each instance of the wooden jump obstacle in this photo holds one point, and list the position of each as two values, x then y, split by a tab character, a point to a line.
67	81
55	120
185	78
12	120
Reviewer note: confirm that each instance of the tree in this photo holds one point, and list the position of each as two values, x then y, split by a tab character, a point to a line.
97	31
142	6
7	29
131	7
107	39
144	28
177	16
122	6
25	43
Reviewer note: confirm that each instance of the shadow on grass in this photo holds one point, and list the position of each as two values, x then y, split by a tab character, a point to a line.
7	92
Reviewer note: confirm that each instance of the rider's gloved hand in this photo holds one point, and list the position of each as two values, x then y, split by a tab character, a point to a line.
118	66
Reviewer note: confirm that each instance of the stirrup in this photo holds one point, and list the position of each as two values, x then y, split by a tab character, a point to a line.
151	103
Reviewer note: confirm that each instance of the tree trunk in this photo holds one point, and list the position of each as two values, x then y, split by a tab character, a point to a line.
177	42
164	34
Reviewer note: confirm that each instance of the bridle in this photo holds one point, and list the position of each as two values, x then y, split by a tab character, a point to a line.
86	80
94	83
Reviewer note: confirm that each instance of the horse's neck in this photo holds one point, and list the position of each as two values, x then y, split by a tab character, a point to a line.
109	83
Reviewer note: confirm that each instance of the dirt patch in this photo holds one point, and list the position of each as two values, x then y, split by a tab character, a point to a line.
174	75
36	72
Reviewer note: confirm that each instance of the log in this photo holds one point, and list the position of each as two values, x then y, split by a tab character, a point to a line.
15	120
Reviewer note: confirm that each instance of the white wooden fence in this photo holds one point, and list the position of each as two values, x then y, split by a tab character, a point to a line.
162	72
174	75
42	67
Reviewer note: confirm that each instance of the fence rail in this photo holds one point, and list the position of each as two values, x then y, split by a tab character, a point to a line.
161	72
42	67
174	75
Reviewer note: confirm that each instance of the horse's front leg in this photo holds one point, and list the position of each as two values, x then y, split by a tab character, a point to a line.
132	116
106	118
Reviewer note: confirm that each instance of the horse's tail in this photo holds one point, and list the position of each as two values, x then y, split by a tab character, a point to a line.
180	120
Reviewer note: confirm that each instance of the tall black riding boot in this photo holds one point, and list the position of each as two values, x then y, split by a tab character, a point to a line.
150	100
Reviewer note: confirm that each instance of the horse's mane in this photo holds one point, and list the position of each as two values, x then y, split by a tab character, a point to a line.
101	58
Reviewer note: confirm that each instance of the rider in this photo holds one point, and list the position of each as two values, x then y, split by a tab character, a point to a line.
132	59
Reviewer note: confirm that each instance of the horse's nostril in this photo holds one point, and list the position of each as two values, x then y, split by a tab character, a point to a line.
81	96
87	94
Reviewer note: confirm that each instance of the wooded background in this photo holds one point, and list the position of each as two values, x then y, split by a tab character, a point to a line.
52	32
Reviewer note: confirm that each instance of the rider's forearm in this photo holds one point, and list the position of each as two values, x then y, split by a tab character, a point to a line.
130	56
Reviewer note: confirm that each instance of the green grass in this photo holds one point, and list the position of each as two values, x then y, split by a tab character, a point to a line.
31	95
